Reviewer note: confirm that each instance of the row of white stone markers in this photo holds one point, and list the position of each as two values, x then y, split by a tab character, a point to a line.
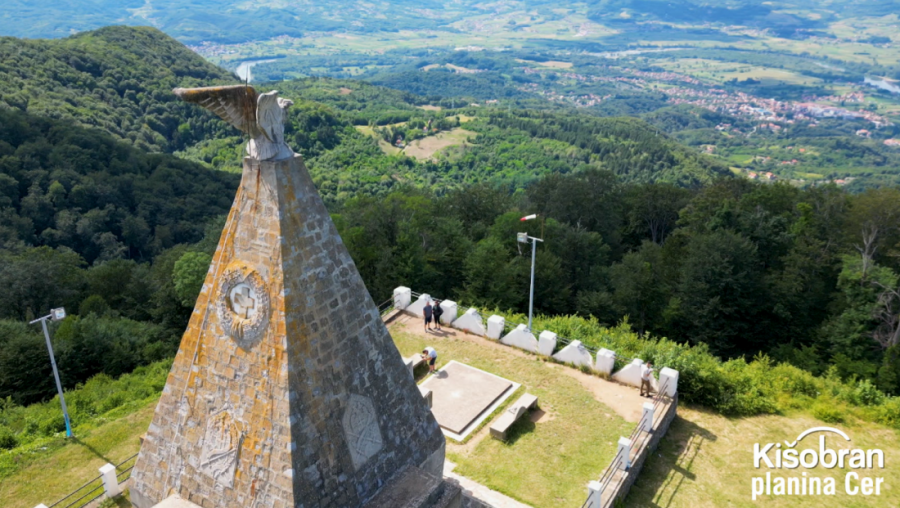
574	353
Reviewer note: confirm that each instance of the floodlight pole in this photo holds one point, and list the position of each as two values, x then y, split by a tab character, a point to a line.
56	315
524	238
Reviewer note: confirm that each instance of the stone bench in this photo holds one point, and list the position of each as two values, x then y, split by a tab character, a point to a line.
413	362
500	427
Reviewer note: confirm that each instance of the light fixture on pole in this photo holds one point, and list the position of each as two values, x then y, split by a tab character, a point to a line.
524	238
56	315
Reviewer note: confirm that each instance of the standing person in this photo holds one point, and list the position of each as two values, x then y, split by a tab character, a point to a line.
646	376
427	313
430	356
438	312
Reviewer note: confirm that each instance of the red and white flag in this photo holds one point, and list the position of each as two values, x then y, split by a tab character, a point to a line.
529	217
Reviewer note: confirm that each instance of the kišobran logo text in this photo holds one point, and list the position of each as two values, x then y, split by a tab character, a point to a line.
776	456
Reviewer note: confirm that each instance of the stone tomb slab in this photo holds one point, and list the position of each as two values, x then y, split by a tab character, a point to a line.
464	396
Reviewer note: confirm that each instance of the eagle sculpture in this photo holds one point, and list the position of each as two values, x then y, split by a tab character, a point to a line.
261	116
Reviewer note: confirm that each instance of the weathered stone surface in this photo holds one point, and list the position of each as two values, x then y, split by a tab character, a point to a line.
471	322
576	354
546	343
606	361
495	326
287	390
402	297
520	337
175	501
415	488
450	310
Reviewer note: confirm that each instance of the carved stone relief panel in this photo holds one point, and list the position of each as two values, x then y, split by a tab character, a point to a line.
243	306
221	448
361	430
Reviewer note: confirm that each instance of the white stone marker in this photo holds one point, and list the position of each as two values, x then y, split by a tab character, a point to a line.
575	353
670	376
521	338
647	417
495	326
449	315
625	450
595	494
417	306
546	343
110	482
471	322
41	506
606	361
427	394
630	374
402	297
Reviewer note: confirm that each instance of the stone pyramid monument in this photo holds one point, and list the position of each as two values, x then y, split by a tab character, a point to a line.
287	390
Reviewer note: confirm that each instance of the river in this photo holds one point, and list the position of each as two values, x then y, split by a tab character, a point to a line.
884	84
244	70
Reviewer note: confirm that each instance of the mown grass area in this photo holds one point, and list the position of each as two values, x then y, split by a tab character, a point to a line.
58	467
724	71
706	460
544	464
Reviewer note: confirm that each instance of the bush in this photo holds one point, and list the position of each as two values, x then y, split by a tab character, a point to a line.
8	439
99	395
828	412
735	387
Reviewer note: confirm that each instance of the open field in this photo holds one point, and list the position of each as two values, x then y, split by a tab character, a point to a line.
386	147
53	475
718	71
553	64
426	148
706	461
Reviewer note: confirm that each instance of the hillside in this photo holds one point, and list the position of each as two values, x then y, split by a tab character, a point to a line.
116	79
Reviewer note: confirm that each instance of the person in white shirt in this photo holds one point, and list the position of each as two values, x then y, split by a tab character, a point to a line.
430	356
646	376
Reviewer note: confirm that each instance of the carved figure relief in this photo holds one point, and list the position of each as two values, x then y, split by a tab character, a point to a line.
243	306
361	430
221	448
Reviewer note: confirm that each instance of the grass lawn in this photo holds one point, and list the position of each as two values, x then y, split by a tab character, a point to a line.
547	463
425	148
51	476
706	460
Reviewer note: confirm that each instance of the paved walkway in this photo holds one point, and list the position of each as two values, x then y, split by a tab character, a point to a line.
479	491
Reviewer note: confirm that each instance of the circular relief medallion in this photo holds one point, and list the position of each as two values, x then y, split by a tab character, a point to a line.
243	306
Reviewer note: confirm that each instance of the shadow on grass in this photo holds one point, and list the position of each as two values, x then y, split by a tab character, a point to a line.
524	425
667	468
92	450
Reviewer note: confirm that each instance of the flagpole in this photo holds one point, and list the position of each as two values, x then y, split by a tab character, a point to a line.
531	295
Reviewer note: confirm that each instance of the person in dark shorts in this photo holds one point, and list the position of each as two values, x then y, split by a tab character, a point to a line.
430	356
427	313
646	376
438	312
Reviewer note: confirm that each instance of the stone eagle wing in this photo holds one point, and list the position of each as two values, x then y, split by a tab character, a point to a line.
234	104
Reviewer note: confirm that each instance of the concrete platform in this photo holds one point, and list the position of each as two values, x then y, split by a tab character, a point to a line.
464	396
175	501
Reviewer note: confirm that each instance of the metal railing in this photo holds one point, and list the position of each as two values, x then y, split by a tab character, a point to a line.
88	491
123	475
385	306
93	490
636	439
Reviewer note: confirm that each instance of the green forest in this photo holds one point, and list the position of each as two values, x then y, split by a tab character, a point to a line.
113	195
